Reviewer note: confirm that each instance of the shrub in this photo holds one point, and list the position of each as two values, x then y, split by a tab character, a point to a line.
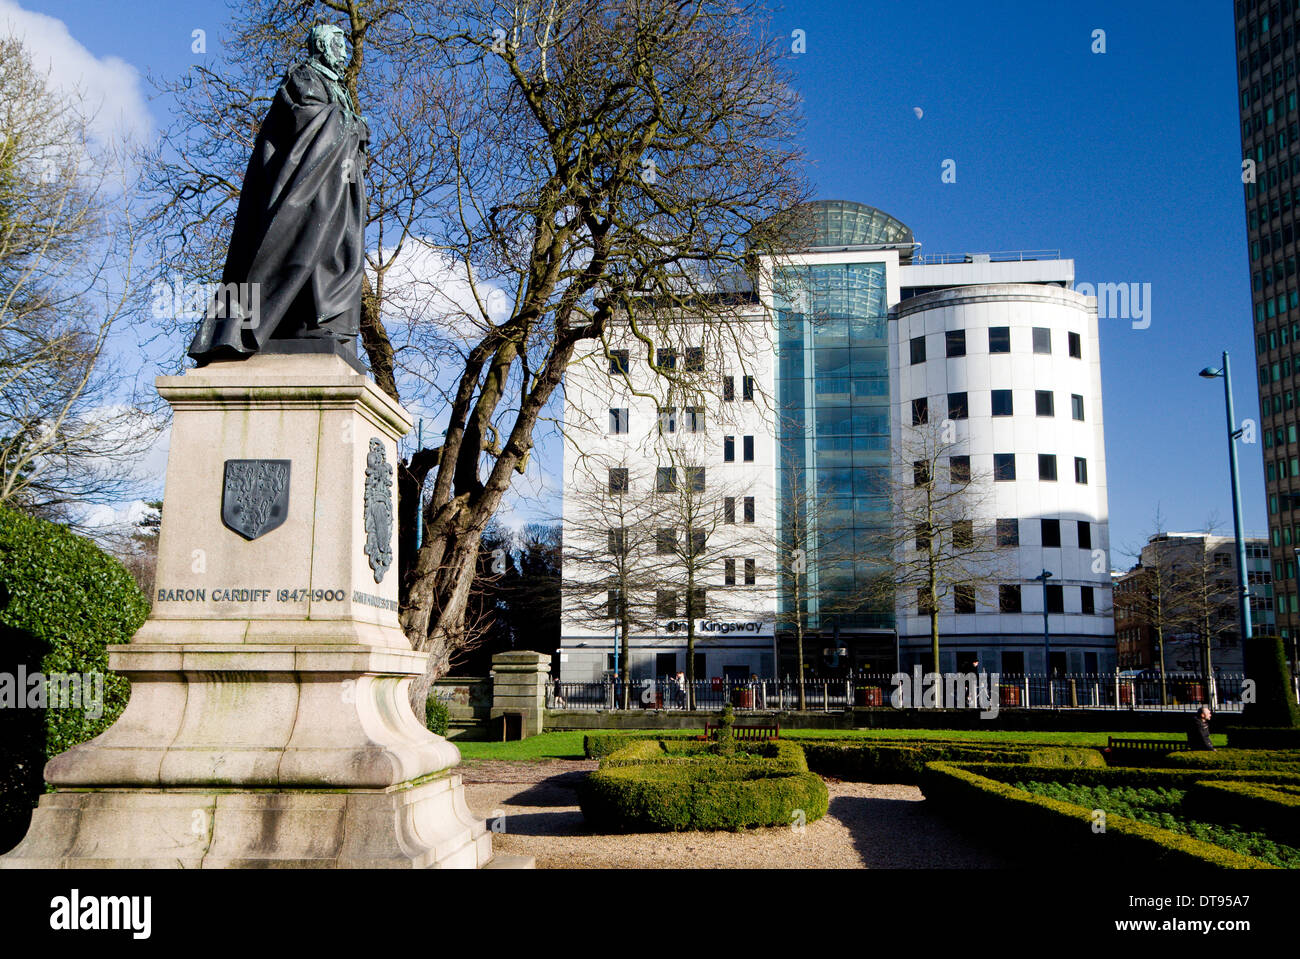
1263	737
436	715
1274	705
904	761
782	756
62	602
1261	759
1270	808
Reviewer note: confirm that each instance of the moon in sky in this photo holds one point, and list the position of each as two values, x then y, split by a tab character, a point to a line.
919	112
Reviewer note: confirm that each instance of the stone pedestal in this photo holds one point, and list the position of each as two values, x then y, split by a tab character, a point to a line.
268	723
519	681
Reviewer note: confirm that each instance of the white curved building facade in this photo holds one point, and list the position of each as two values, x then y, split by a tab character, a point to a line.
1014	370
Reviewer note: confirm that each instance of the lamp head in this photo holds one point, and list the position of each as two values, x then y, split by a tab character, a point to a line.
1210	373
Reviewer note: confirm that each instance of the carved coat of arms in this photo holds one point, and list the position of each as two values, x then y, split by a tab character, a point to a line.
378	507
255	496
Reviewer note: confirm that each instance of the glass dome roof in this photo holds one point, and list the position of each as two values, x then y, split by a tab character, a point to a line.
837	223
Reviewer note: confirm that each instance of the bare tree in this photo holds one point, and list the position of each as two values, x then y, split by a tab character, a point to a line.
1156	600
943	548
67	244
562	162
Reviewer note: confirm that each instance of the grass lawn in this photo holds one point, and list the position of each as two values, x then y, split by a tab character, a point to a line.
568	744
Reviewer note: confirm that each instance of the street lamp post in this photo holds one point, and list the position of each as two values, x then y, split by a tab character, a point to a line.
1044	576
1243	591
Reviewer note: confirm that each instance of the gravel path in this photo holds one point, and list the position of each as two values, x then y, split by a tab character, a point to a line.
868	826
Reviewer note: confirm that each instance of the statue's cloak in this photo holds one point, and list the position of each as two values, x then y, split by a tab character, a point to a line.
299	227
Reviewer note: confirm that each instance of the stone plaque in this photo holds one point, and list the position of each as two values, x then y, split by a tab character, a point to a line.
378	506
255	496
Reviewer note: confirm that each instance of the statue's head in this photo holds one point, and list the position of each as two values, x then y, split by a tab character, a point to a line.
325	42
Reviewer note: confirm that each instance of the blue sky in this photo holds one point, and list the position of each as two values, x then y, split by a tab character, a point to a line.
1128	162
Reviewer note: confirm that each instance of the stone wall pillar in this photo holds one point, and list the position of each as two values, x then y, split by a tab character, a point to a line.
519	684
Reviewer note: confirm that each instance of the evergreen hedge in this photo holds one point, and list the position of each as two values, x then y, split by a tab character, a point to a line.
1275	705
62	602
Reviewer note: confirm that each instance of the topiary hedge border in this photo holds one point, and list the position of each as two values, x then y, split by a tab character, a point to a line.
1256	806
1245	759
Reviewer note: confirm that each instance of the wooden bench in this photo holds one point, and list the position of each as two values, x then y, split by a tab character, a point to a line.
749	733
1147	745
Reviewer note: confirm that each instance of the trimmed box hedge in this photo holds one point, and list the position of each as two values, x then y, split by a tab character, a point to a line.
1263	737
1269	808
1035	823
667	786
1246	759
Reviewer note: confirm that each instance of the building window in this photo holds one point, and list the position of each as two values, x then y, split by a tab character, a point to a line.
695	478
1055	598
699	541
666	603
695	606
729	509
728	572
693	419
957	406
1085	534
694	359
920	411
666	479
1076	406
1009	599
618	479
618	420
1002	403
1087	601
1080	470
749	509
747	389
1004	467
1008	532
728	388
955	341
1044	403
923	605
667	358
1051	532
963	534
614	604
918	350
1042	340
619	362
999	339
751	572
748	451
667	419
923	534
728	449
959	469
920	472
1076	345
618	541
665	542
1047	466
964	599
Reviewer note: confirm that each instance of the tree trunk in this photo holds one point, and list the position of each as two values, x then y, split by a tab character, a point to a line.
625	674
798	643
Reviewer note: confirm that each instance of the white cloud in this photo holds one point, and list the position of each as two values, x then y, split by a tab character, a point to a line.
111	85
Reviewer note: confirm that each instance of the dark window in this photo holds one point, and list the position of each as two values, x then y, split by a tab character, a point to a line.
1085	534
999	339
619	362
1042	339
666	603
728	388
749	449
1004	466
728	449
1047	466
729	509
693	419
695	604
922	537
1051	532
963	534
1087	600
618	479
665	541
1076	345
614	604
964	599
1044	403
1008	532
1002	403
667	358
1009	599
618	419
666	479
751	572
667	419
694	359
728	572
1076	406
695	478
1055	598
749	509
1080	470
923	605
618	541
959	469
920	472
1013	664
747	389
699	541
957	406
955	341
918	350
920	411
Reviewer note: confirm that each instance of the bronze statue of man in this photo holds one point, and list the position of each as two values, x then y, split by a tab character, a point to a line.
293	277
